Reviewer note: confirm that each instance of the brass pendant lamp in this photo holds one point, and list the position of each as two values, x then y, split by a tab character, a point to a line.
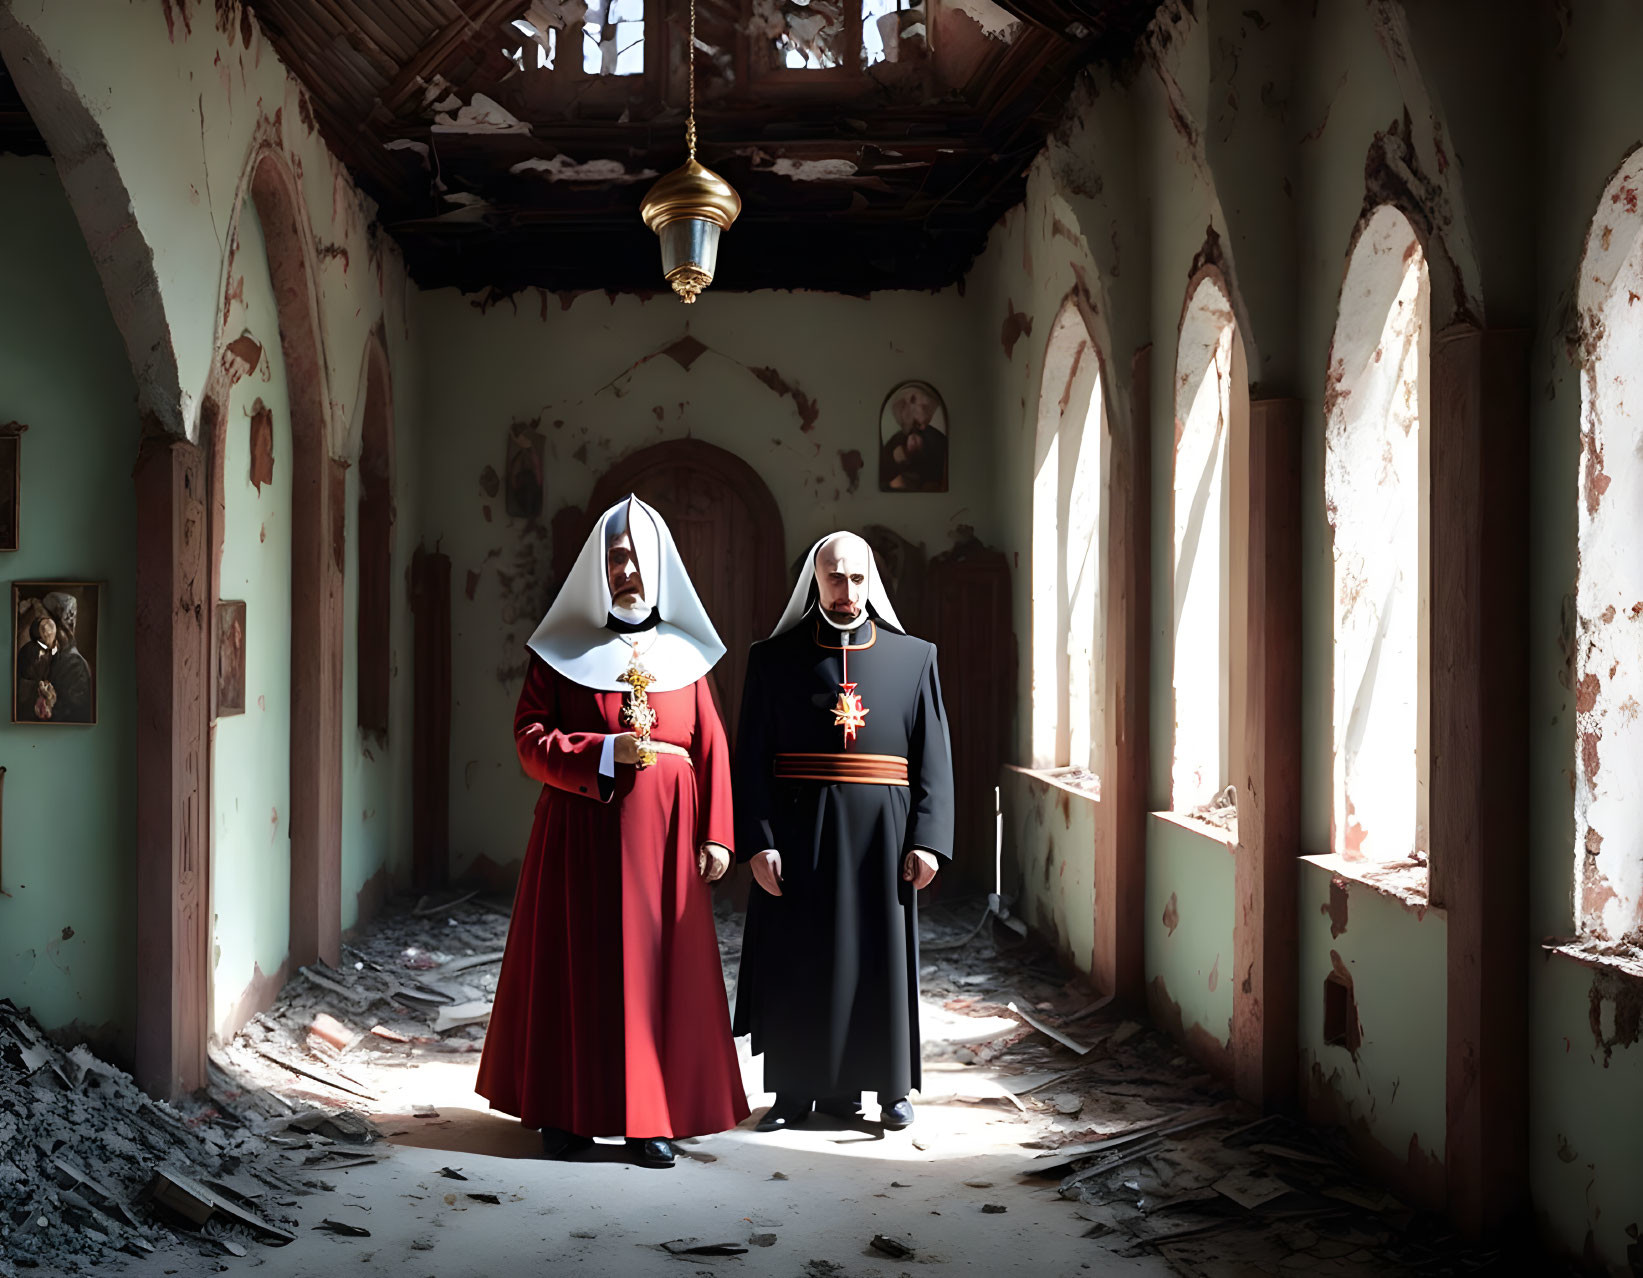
691	206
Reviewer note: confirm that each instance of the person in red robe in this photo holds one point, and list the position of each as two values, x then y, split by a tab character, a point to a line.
610	1015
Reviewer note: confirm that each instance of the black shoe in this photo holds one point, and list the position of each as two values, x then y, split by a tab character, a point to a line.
846	1107
652	1151
788	1111
558	1143
897	1114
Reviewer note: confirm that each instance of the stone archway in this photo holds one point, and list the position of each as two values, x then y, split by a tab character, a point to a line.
318	514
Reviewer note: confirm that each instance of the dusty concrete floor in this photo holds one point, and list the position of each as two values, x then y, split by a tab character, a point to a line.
1175	1177
607	1218
806	1202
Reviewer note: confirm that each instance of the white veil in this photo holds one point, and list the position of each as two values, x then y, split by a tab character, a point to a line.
573	638
805	592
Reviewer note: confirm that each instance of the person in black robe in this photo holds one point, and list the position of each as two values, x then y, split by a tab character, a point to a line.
844	806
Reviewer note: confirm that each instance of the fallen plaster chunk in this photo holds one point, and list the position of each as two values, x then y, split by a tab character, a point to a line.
814	170
481	115
561	168
998	23
476	1013
561	14
408	144
1042	1028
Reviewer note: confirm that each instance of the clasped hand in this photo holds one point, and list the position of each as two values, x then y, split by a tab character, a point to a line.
918	868
626	749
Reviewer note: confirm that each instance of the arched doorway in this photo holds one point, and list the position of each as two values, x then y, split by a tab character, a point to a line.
729	531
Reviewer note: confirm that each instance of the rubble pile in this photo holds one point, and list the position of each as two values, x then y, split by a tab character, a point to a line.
418	983
91	1168
1157	1155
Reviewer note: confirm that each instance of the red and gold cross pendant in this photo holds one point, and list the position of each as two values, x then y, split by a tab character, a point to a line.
849	713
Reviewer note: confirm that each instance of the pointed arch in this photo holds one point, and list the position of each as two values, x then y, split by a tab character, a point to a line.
1376	482
1607	868
1211	405
1070	456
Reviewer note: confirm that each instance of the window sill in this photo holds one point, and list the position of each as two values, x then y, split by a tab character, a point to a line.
1227	836
1061	779
1405	882
1603	956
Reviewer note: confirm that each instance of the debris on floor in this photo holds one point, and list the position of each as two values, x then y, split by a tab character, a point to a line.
91	1168
1157	1156
416	984
1066	1104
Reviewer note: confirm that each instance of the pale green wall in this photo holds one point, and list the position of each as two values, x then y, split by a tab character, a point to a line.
160	122
181	101
1254	122
1189	926
251	756
67	934
1394	1085
1586	1129
597	368
1049	862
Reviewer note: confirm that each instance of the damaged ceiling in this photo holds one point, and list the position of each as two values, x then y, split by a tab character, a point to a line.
874	142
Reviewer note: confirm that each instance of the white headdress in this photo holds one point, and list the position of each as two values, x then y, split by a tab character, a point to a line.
806	592
573	637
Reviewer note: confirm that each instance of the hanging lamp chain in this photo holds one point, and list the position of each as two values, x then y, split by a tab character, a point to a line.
690	72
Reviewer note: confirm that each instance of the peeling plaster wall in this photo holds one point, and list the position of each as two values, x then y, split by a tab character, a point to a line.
251	754
791	383
67	942
1390	1086
376	772
1189	935
1609	590
181	94
1587	1069
1253	138
1073	234
1049	862
157	115
1585	1137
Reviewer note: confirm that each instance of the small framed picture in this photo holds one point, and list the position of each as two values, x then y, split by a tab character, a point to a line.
230	657
11	485
54	651
913	440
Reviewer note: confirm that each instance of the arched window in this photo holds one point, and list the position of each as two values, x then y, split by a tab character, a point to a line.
1375	486
376	541
1070	470
1210	386
1609	587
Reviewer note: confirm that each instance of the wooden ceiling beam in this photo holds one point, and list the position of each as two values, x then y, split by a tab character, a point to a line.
451	39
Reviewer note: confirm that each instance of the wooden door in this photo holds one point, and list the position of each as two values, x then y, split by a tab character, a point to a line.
729	533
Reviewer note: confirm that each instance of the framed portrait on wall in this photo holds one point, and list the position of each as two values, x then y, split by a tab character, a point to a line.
230	657
11	485
913	440
54	651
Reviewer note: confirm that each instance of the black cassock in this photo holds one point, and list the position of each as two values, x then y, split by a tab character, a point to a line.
829	976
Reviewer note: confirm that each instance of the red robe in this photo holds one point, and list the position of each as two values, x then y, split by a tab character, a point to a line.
610	1016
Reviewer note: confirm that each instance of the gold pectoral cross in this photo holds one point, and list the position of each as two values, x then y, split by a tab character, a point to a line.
849	711
638	713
